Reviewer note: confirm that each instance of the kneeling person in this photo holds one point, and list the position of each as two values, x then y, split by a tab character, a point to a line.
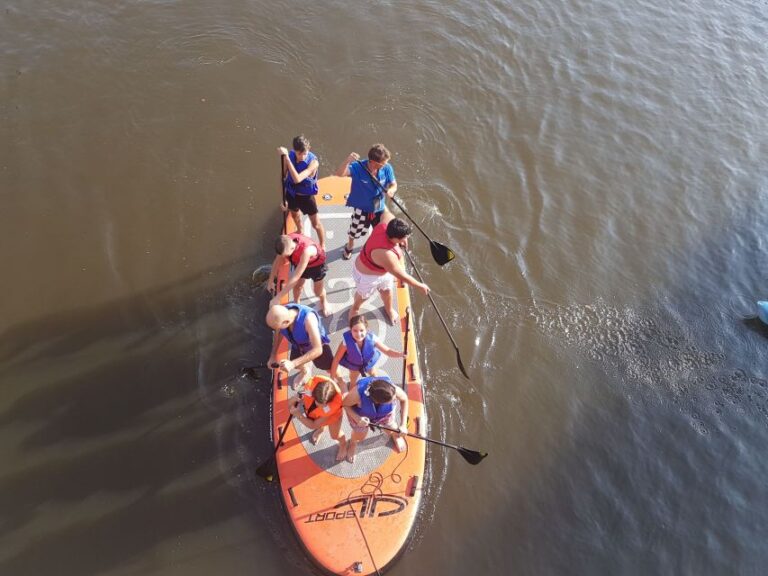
372	402
321	408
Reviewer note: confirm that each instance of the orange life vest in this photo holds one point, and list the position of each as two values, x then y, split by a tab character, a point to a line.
315	411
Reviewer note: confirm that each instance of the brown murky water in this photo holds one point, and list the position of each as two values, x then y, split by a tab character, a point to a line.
598	167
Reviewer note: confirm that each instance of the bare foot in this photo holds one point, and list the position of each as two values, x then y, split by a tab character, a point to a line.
399	444
325	310
316	435
392	316
351	453
342	453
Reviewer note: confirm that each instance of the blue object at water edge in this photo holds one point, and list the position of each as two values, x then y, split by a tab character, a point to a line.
762	311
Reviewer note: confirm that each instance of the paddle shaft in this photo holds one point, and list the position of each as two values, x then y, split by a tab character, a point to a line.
400	206
439	315
405	342
419	437
282	187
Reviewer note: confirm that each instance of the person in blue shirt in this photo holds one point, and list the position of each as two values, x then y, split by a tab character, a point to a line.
300	168
365	196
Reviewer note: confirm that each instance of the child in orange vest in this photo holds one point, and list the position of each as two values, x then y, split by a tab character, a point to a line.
320	406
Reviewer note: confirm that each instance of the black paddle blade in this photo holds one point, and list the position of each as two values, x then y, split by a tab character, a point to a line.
472	456
461	365
441	253
267	470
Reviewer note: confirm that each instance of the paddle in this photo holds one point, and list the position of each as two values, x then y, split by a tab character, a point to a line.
282	187
472	456
267	470
250	371
455	346
441	253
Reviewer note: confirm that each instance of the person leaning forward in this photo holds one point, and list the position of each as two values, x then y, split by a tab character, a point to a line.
302	327
308	260
379	261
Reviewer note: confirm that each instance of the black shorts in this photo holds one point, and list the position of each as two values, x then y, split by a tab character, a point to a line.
323	362
302	202
316	273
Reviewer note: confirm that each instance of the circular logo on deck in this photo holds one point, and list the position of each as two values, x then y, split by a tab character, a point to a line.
327	197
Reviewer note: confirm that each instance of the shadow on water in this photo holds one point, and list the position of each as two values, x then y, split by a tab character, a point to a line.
131	425
757	326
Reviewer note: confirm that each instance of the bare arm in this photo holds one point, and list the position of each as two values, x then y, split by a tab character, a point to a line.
311	326
343	169
308	254
288	165
391	264
298	413
389	351
275	346
351	400
340	351
402	397
276	263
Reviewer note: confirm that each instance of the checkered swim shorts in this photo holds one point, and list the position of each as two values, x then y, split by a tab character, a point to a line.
361	221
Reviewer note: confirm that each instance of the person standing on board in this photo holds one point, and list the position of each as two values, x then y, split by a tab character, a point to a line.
308	260
372	402
309	342
300	168
381	260
320	408
359	351
365	196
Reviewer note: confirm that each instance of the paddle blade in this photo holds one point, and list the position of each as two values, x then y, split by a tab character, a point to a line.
461	364
442	254
472	456
267	470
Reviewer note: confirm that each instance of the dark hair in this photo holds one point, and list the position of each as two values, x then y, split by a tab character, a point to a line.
358	319
281	244
398	229
300	143
381	391
324	392
378	153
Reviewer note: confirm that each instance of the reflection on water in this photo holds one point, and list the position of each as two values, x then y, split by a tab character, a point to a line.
597	167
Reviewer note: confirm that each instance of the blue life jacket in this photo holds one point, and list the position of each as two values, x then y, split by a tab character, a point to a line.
308	186
364	193
374	412
299	337
353	360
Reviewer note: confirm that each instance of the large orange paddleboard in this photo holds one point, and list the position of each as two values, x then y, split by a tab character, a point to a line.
351	518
